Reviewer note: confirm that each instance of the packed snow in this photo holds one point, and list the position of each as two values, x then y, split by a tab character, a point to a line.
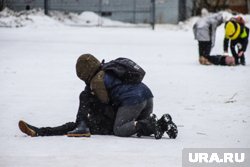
210	104
37	17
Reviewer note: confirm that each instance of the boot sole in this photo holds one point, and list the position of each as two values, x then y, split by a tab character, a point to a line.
25	129
79	135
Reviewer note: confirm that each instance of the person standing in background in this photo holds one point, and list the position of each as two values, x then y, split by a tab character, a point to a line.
205	32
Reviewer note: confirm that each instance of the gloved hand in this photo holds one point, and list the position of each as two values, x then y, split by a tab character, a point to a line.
240	53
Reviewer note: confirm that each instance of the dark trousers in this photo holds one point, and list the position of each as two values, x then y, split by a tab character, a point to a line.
56	131
95	125
98	117
127	115
204	48
235	49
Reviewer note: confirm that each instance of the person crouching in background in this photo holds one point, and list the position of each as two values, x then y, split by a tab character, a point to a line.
236	36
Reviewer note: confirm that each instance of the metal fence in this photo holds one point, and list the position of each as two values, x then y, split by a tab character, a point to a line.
130	11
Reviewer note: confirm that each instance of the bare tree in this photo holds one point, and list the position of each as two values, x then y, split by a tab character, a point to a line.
210	5
2	4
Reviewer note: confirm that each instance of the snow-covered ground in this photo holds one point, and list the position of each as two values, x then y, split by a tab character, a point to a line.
210	104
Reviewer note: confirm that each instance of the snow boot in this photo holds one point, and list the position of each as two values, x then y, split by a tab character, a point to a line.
204	61
148	127
166	124
81	130
27	129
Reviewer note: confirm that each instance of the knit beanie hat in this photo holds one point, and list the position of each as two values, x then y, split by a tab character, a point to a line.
86	67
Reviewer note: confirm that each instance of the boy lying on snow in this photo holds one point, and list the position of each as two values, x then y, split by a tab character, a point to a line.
114	101
217	60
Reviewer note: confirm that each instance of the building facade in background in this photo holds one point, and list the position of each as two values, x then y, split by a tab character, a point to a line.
133	11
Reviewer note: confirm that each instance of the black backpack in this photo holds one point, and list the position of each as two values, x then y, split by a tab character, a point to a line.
125	69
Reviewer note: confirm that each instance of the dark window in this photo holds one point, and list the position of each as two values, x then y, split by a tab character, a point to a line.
27	7
106	14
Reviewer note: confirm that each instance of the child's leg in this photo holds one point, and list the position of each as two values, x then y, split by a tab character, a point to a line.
125	119
233	44
128	119
242	60
45	131
204	48
56	131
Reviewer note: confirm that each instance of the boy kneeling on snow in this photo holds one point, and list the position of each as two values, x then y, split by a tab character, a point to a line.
110	105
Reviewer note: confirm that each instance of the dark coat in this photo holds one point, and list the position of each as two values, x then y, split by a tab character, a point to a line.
217	60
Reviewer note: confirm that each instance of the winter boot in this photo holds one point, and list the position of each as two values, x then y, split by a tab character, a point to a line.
149	126
27	129
204	61
166	124
81	130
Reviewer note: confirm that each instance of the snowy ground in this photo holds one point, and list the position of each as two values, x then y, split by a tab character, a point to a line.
38	84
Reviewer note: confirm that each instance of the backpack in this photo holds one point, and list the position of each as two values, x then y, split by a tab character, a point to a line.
125	69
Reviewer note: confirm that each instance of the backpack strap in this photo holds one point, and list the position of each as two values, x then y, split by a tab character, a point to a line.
98	87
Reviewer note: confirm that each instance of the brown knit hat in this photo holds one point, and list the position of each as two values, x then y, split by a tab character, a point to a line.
86	67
